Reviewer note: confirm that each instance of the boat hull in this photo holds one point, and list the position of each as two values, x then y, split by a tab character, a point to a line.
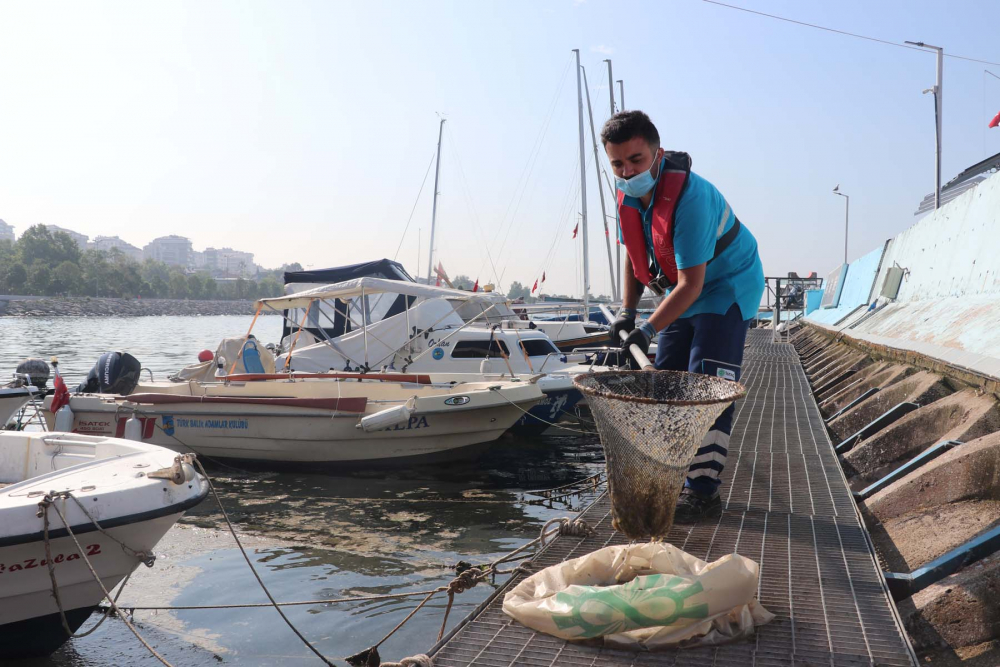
12	400
135	491
29	617
556	405
300	436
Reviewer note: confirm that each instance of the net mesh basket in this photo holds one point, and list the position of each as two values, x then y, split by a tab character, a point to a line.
651	423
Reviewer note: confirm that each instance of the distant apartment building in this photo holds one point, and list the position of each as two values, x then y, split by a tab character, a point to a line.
174	250
78	238
227	262
197	260
107	243
6	231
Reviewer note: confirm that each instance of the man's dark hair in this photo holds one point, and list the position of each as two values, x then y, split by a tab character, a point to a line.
626	125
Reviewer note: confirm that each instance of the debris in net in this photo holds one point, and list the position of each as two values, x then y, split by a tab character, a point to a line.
651	423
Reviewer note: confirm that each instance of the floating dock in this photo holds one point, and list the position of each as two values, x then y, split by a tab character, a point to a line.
787	505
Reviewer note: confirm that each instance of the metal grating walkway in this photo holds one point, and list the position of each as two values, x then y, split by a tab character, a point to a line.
787	506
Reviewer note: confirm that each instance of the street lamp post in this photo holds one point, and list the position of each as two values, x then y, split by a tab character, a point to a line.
847	215
938	110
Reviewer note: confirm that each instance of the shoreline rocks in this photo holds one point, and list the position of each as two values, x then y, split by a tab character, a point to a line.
105	307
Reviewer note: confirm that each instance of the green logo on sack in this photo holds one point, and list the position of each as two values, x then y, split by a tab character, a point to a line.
644	602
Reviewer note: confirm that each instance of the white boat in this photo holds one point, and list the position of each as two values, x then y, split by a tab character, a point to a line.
370	324
561	322
319	419
134	491
13	399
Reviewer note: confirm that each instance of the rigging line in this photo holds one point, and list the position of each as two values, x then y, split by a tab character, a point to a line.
536	147
567	214
412	210
844	32
528	182
468	201
572	190
518	207
992	74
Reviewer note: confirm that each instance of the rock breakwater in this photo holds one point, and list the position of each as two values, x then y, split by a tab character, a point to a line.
100	307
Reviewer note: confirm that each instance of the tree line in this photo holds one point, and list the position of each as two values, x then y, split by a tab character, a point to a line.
45	263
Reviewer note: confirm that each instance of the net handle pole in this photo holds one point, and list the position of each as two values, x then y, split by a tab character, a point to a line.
640	357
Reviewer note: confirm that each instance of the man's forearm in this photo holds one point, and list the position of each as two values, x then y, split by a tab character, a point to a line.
630	286
673	306
689	285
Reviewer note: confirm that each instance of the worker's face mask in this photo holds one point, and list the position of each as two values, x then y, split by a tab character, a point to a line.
641	183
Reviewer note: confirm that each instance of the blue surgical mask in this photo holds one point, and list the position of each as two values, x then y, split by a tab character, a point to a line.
639	184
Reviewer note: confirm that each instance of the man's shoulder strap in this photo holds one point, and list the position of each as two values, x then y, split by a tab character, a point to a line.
678	160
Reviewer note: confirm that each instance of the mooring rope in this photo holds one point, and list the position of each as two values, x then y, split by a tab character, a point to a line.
544	421
43	510
274	603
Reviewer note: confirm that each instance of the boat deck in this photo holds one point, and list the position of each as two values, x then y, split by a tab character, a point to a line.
787	506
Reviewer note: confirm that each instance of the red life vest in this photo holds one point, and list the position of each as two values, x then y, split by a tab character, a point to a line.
667	194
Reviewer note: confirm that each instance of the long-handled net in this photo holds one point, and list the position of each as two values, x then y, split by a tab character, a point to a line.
651	423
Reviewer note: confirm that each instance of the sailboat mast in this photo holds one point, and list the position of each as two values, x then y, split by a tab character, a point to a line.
434	206
583	192
618	246
600	190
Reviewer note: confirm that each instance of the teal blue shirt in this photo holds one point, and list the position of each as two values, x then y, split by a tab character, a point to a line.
702	216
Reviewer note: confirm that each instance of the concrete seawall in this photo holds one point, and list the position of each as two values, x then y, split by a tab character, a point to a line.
909	382
95	307
948	304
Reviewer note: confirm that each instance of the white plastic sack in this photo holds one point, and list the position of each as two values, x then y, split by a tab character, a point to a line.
642	597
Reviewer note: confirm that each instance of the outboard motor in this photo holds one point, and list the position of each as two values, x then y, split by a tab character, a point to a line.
37	371
114	373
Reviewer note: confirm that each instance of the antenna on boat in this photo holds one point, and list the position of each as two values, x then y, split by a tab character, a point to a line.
583	192
434	206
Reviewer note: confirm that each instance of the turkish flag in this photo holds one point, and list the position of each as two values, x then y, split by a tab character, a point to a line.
995	121
575	229
535	287
543	276
61	395
475	288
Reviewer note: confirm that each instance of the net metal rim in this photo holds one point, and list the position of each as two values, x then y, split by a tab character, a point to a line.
581	383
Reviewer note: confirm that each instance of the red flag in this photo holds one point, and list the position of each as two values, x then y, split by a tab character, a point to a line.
61	395
535	287
475	288
995	121
543	276
575	229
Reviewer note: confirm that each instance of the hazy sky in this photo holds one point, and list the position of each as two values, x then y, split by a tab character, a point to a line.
301	131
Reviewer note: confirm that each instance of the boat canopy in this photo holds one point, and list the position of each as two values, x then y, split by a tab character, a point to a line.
380	268
367	286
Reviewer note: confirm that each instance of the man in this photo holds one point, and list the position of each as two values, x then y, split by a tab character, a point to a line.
683	241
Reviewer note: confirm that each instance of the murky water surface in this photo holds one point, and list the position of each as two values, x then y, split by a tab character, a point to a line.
312	536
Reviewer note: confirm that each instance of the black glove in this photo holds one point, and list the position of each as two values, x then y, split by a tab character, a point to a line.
640	338
625	322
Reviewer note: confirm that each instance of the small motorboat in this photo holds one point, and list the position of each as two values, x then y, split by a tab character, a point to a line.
13	399
119	498
374	324
331	418
29	384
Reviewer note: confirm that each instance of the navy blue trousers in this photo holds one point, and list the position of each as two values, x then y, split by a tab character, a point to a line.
710	344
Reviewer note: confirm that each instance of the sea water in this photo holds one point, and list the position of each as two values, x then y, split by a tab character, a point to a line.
311	535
